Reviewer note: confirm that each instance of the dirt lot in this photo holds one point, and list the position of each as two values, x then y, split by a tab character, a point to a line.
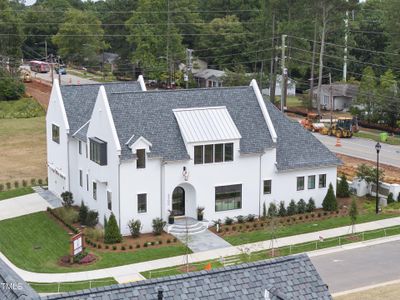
392	174
39	91
22	149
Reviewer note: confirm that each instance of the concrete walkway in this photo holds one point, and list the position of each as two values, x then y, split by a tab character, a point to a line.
204	241
132	270
52	199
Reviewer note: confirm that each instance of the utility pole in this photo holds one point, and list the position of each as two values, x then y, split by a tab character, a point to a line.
51	68
59	67
346	32
284	74
188	66
168	65
272	80
321	56
313	63
330	96
45	49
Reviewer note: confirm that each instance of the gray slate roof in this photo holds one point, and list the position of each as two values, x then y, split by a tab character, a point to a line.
79	100
339	89
297	147
286	278
149	114
12	286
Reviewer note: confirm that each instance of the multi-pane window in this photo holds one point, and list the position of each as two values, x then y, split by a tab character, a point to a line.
228	197
142	203
94	186
300	183
267	186
80	147
87	182
109	200
98	151
140	158
311	182
322	181
213	153
80	178
55	133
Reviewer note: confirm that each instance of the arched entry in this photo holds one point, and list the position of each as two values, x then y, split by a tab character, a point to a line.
178	201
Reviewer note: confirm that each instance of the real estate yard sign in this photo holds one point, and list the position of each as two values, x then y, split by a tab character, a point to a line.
76	244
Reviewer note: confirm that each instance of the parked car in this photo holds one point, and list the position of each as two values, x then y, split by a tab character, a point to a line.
61	71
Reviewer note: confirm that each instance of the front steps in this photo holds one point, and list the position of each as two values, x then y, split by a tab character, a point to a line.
183	226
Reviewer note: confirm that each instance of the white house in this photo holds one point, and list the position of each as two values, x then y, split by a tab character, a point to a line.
291	87
343	95
140	153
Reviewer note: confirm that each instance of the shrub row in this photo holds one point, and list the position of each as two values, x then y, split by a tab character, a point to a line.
23	183
69	226
124	247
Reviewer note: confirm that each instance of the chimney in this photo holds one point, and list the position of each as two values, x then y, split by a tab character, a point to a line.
160	295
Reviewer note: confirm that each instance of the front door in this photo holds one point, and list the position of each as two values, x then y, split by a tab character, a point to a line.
178	201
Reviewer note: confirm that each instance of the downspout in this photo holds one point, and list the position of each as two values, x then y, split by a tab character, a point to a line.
162	188
259	189
119	192
68	169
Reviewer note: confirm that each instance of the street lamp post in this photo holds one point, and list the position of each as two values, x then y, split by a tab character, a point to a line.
378	149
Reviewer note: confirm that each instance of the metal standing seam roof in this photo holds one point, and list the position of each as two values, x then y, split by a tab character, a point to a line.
206	124
285	278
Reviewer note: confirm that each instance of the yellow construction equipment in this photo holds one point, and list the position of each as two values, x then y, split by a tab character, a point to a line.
343	128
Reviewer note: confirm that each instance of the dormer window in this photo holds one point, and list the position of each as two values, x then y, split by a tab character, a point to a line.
206	154
55	133
141	158
98	151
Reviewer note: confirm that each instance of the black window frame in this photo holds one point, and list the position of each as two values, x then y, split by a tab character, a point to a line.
198	155
80	147
322	176
221	193
267	186
87	182
220	157
55	133
308	182
228	152
94	190
98	151
140	158
81	178
208	156
299	187
109	200
140	198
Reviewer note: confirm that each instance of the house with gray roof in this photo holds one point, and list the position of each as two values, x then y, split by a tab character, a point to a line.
209	78
343	95
146	154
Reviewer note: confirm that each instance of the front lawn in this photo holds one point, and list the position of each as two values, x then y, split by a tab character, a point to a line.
15	193
295	229
71	286
36	242
22	108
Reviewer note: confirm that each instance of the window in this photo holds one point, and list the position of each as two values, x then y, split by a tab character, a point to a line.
142	203
86	146
219	152
80	147
228	197
87	182
55	133
267	186
198	155
311	182
322	180
141	158
109	200
98	151
326	100
229	152
80	178
208	154
300	183
94	190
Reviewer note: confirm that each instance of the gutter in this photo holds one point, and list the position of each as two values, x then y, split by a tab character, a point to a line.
68	169
259	189
119	192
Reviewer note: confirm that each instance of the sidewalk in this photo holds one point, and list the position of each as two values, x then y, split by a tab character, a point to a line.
132	270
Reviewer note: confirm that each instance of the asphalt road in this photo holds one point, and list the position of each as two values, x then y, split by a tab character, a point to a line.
65	79
363	148
356	268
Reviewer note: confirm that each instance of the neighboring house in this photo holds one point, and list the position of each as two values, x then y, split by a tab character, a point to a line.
343	95
291	88
140	154
108	58
209	78
292	277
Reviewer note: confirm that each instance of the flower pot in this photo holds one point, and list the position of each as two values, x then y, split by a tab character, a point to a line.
171	220
200	217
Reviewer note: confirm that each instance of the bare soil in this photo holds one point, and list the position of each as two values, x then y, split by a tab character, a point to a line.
40	91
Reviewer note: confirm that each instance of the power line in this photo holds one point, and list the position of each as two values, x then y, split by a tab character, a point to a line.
131	24
140	12
128	35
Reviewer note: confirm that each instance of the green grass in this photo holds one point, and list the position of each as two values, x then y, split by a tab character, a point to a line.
283	251
289	230
35	243
23	108
15	193
71	286
392	140
291	101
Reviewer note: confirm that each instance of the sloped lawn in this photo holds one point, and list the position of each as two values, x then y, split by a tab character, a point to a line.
36	242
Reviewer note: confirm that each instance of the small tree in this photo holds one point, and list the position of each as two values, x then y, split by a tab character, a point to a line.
301	206
67	199
368	173
390	198
135	226
92	218
291	209
83	211
310	205
158	226
282	209
105	222
343	187
264	213
330	201
353	213
112	234
272	210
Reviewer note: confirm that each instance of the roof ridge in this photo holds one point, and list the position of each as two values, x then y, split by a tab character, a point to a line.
100	83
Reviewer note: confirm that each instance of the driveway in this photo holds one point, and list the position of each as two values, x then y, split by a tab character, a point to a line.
22	205
362	148
356	268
